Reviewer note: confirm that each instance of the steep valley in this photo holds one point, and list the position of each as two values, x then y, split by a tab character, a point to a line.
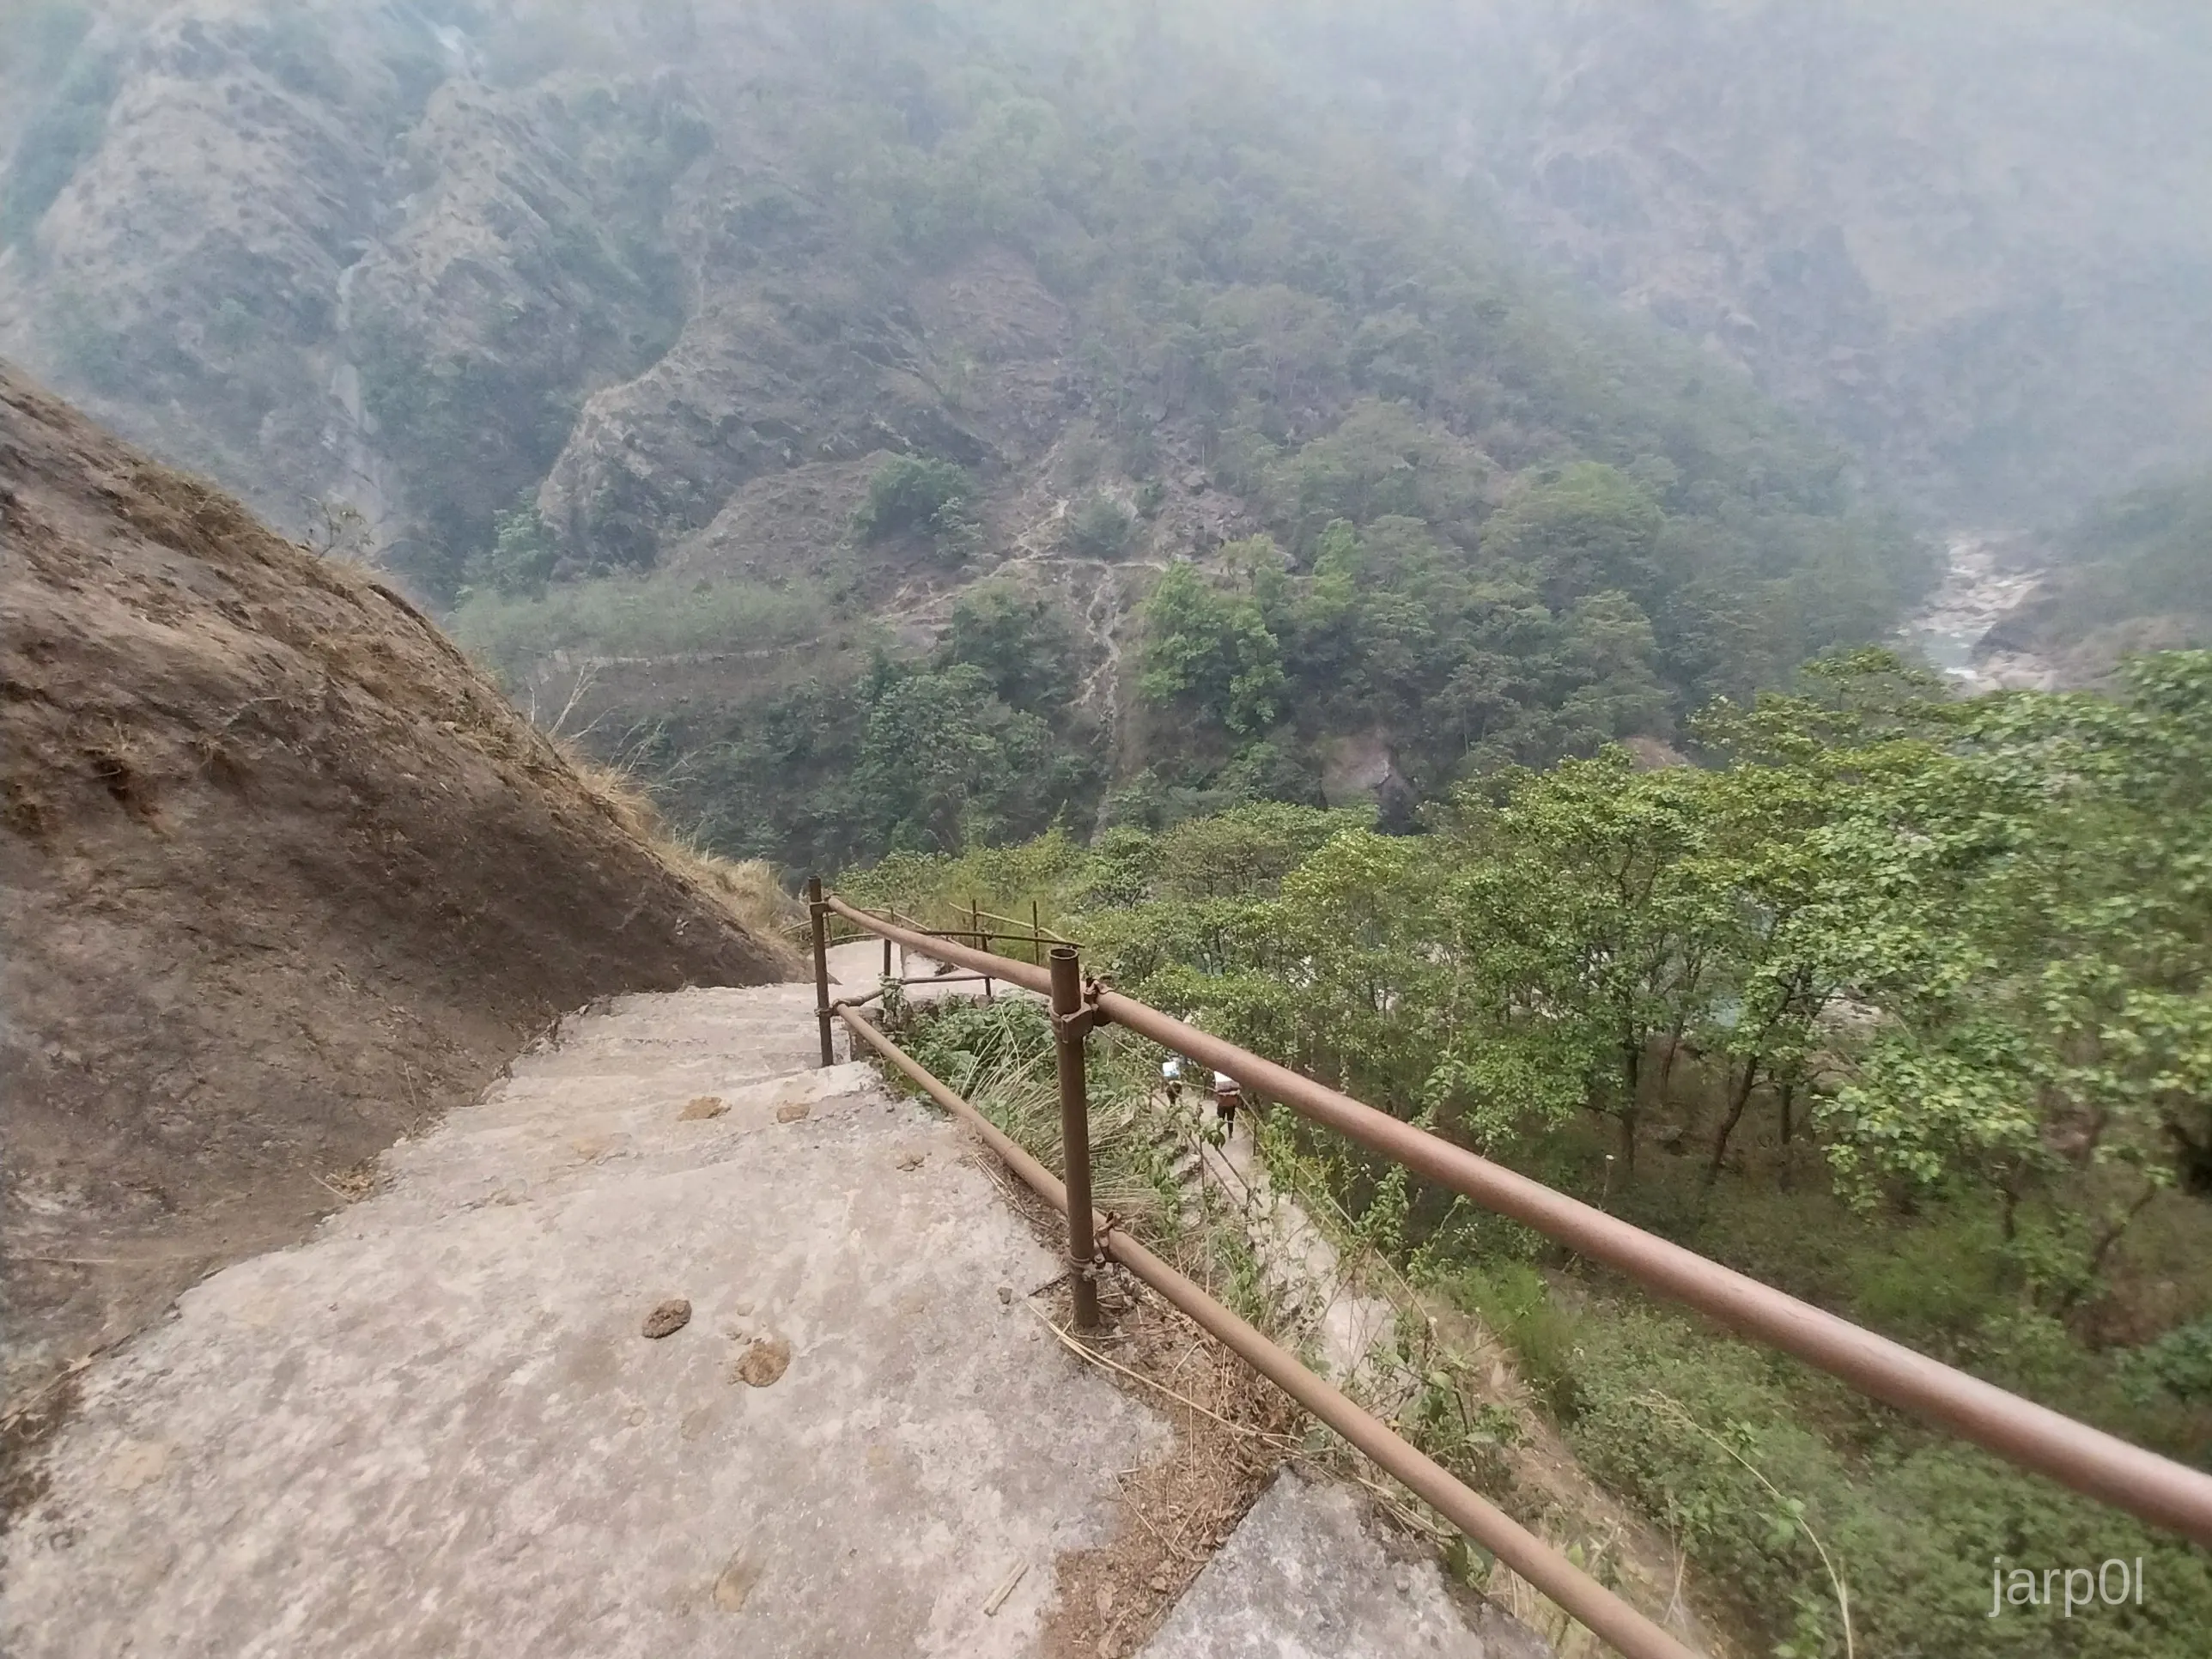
625	336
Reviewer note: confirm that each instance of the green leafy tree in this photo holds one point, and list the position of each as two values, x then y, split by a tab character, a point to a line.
944	764
1021	640
1591	528
2050	1026
1212	652
918	493
522	555
1586	906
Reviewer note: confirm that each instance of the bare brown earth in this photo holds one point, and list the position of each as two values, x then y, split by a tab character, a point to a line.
281	878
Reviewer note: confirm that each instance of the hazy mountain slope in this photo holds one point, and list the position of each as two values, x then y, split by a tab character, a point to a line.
2133	573
549	293
1973	238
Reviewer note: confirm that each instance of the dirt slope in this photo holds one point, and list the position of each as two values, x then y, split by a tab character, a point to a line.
281	877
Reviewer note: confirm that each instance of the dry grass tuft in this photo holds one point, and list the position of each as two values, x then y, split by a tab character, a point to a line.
745	889
1232	1431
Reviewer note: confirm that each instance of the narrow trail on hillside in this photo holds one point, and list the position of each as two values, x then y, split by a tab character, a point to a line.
674	1340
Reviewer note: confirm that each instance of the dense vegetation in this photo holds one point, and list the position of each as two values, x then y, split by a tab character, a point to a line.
979	741
1394	488
1492	525
1902	1003
2142	557
1500	528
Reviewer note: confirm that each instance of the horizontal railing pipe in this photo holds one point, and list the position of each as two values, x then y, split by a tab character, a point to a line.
1611	1619
1030	977
2100	1465
2091	1461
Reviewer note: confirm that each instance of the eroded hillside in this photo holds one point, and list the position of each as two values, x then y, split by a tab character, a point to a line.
285	877
771	388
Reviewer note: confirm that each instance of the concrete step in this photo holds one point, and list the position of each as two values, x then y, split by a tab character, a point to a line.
669	1084
469	1162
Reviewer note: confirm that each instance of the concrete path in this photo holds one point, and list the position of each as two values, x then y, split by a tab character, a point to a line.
438	1429
1352	1334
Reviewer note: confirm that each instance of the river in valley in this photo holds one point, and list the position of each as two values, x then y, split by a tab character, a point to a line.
1985	580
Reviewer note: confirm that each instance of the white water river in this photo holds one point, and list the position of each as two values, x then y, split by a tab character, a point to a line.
1980	586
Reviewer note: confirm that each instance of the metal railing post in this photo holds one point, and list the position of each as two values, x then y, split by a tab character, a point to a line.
2098	1465
982	941
817	913
1068	1025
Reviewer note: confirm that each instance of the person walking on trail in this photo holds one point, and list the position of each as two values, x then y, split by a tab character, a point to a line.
1171	1078
1227	1097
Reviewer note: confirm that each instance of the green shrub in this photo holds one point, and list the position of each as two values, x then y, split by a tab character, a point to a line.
2178	1364
961	1041
522	554
999	1056
1022	640
1716	1440
1511	1298
919	493
1101	528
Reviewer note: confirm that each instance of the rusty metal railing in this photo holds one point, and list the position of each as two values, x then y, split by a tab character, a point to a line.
2155	1489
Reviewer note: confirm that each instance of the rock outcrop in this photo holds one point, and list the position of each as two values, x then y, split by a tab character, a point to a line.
283	877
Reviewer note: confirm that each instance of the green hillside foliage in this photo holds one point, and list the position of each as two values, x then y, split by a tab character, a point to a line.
1902	1004
1343	346
2144	553
979	741
1496	525
911	493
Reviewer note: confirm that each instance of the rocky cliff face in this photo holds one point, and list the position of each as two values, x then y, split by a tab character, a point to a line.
311	250
348	254
422	258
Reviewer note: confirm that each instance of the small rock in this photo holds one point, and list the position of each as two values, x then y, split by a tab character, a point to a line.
704	1106
138	1463
1006	1295
736	1583
667	1318
792	1113
696	1423
764	1363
